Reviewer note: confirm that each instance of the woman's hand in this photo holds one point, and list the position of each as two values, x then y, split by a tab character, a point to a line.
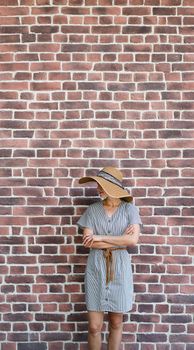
132	231
89	239
129	230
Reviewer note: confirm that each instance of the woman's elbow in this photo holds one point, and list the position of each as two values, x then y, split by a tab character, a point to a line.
133	241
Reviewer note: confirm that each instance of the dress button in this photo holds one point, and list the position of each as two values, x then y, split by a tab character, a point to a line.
109	231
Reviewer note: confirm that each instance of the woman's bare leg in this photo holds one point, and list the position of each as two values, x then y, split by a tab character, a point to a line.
115	330
95	323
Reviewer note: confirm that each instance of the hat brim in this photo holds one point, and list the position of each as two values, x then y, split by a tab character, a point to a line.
111	189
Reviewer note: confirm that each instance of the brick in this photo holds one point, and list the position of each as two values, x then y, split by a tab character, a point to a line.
32	346
107	48
74	105
52	336
18	317
58	346
144	318
49	317
181	338
74	66
70	347
45	86
155	338
11	10
136	30
8	346
76	48
19	279
22	260
91	86
135	105
121	87
107	67
106	29
17	337
102	10
136	11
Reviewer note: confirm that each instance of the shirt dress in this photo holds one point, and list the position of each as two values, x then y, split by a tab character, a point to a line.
117	295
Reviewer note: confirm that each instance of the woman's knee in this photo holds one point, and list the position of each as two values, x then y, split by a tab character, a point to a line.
95	322
115	325
116	322
95	328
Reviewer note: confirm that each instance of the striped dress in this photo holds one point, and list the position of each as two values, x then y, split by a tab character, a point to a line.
117	295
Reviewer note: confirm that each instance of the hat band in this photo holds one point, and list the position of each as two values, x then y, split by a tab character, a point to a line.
112	179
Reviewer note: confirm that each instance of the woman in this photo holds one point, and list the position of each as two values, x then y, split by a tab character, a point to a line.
109	227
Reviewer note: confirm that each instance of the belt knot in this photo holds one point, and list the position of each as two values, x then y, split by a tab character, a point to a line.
110	263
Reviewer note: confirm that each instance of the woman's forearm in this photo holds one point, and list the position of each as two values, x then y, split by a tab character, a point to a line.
102	245
129	238
124	240
95	241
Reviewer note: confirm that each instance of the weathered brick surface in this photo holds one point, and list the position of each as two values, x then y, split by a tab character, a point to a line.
85	84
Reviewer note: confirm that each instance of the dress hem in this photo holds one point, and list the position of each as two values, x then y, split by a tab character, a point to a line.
115	311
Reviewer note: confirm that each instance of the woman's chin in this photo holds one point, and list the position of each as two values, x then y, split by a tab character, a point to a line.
102	196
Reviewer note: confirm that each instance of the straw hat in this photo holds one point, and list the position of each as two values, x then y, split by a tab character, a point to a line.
110	179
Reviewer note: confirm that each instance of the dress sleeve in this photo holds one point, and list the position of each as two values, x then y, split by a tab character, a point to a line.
134	217
86	219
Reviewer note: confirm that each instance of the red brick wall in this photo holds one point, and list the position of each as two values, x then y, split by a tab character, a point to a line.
85	84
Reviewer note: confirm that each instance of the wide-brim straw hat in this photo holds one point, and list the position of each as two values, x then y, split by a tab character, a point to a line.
110	179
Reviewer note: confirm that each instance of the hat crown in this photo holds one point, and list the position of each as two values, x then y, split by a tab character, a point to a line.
113	172
110	179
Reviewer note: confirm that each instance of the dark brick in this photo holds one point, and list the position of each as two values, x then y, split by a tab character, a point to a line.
152	338
52	336
145	318
164	11
11	240
177	319
136	30
18	317
136	11
49	317
76	48
32	346
121	86
181	299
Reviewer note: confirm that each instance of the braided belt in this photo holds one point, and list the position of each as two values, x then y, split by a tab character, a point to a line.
110	263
